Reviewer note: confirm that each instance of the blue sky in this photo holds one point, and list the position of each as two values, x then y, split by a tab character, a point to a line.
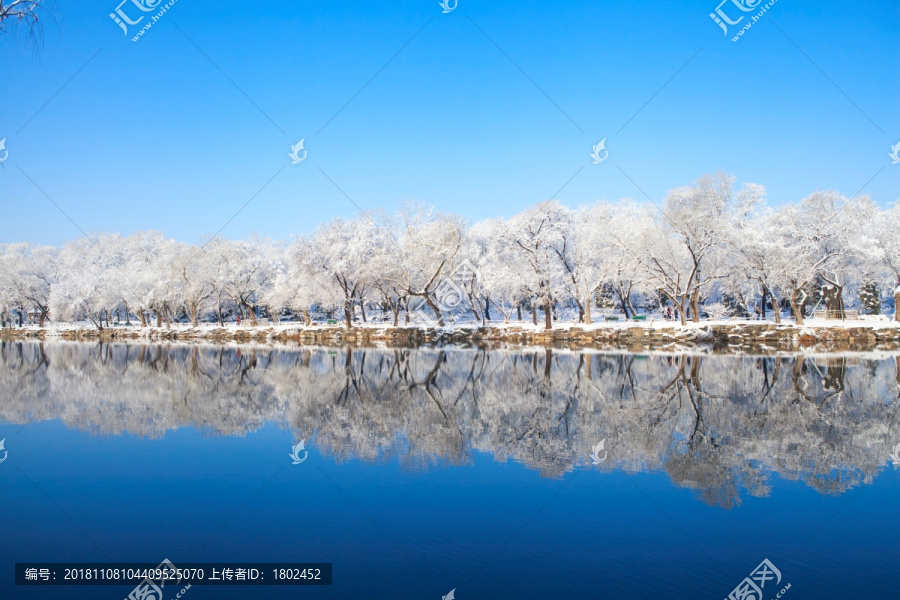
481	111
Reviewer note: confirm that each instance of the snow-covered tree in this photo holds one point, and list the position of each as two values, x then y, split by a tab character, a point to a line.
686	255
430	242
710	249
886	234
539	235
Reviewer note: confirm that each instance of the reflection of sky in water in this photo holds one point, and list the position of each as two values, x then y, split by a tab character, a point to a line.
422	466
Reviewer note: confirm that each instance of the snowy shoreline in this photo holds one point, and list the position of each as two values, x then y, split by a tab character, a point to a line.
726	336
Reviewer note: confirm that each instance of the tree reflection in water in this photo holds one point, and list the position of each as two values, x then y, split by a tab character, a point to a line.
717	424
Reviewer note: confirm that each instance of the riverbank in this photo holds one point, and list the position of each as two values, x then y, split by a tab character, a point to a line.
725	336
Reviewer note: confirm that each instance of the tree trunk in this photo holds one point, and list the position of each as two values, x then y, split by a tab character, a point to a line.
587	312
475	304
348	314
362	310
251	312
195	313
158	319
625	301
436	310
519	310
762	305
795	308
695	305
548	324
897	304
681	312
533	313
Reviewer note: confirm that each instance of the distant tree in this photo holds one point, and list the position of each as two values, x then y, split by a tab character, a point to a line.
870	298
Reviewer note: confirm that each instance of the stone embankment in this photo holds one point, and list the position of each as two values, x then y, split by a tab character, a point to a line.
724	337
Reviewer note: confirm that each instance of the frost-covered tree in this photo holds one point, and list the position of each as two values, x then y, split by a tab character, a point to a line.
430	242
687	253
817	238
246	269
27	274
497	262
757	261
90	282
343	249
539	235
886	235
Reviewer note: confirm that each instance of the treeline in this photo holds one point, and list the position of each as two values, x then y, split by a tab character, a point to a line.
708	251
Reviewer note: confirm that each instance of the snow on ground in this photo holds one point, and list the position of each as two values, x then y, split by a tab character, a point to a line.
204	328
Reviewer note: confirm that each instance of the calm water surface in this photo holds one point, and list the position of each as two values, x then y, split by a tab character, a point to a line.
429	470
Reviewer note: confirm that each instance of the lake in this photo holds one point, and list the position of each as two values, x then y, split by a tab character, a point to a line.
506	473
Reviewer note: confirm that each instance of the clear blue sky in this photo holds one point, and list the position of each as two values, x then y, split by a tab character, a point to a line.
152	135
